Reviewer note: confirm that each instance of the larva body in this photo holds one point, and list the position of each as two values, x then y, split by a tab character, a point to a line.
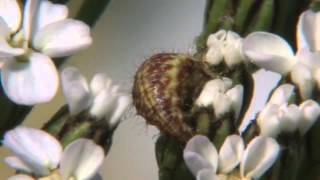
161	93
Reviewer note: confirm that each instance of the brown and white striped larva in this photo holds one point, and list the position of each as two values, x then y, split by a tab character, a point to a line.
163	92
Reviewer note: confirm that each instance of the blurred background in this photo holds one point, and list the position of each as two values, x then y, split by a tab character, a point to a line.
127	33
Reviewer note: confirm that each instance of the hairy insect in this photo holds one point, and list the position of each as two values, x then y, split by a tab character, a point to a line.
163	92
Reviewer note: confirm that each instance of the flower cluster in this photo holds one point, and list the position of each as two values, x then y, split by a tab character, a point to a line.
279	116
102	99
29	38
290	111
223	96
206	163
273	53
224	46
37	154
28	41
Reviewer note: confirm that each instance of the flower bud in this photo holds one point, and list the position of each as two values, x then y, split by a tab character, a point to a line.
214	56
301	75
222	104
268	121
282	94
232	50
236	96
216	38
289	117
212	87
311	112
224	45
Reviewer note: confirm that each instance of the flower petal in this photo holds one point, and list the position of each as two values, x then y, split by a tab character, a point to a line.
268	121
10	12
282	94
232	50
32	82
302	76
199	154
48	13
123	102
207	174
308	58
217	38
82	159
38	149
258	157
269	51
63	38
99	82
75	89
289	116
213	87
232	53
17	164
104	104
311	112
6	51
307	31
230	153
232	37
20	177
30	9
214	55
4	29
236	96
222	104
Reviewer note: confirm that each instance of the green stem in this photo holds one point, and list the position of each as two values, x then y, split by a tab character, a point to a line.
242	14
169	158
264	17
78	130
315	5
57	122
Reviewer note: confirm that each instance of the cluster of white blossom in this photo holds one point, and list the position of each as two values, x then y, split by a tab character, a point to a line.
223	96
102	99
38	155
224	46
29	38
280	114
271	52
206	163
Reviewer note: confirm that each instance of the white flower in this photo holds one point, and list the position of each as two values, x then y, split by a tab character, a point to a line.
311	112
277	116
205	163
224	45
222	96
27	42
102	99
282	94
37	152
268	121
273	53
